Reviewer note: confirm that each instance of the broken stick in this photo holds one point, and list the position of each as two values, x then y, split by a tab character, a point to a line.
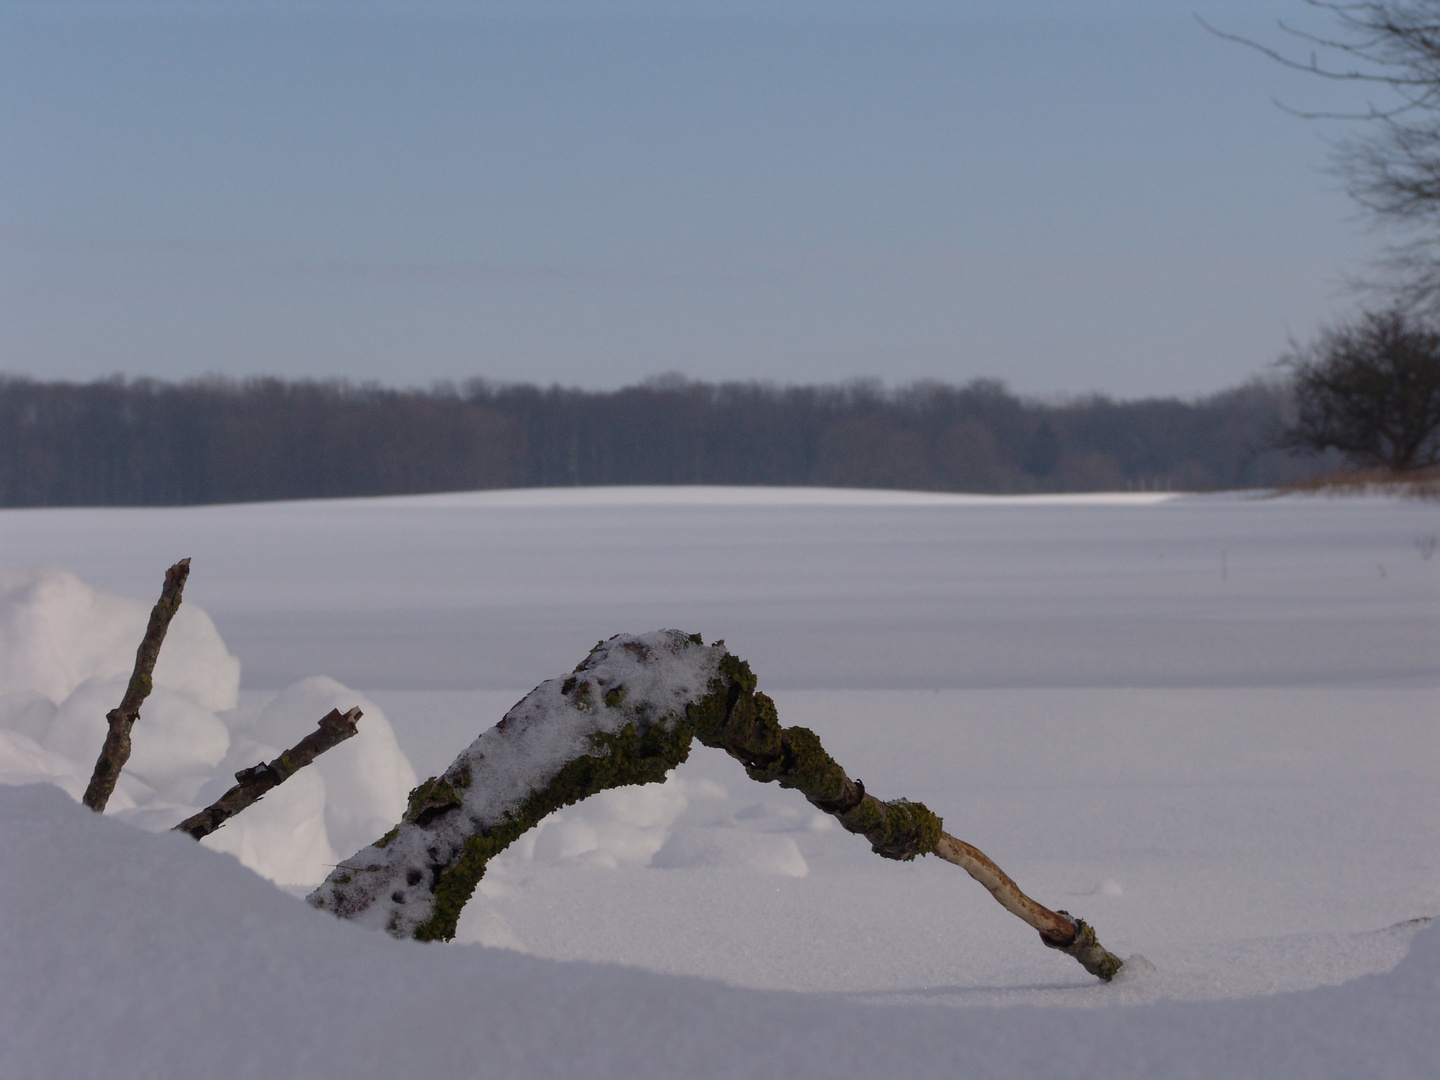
335	727
116	750
1058	929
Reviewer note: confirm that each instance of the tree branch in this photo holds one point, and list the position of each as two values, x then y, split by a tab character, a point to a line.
1058	929
1313	67
116	750
335	727
627	715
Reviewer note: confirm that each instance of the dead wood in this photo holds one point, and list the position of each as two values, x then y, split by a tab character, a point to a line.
116	750
335	727
627	715
751	733
1058	929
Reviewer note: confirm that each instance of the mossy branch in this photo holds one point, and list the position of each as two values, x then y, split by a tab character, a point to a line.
627	715
116	751
749	730
335	727
746	726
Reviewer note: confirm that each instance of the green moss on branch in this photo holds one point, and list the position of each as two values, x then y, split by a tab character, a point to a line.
628	757
745	724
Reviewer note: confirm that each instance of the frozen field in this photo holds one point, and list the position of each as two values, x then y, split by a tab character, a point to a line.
1208	725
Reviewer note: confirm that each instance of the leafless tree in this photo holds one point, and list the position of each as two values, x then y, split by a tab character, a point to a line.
1372	391
1391	167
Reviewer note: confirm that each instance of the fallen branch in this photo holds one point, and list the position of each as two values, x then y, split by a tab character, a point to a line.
116	751
335	727
1058	929
627	715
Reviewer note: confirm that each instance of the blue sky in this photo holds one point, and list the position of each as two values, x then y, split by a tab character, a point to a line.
1069	195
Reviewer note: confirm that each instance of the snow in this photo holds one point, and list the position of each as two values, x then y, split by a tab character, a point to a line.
53	701
130	955
641	681
56	632
183	738
1205	724
347	798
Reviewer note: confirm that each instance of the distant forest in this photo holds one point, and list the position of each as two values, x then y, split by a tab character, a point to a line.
149	443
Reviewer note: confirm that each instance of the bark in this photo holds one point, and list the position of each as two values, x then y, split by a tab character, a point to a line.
750	732
116	750
627	715
335	727
620	718
1058	929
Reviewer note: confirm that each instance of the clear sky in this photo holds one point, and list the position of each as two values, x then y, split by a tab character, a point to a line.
1069	195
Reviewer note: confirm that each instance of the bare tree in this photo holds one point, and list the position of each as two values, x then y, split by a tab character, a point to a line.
1370	390
1392	169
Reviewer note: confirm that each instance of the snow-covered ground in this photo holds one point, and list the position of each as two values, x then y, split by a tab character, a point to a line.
1206	724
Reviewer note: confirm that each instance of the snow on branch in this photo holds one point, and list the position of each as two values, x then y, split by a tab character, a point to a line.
627	715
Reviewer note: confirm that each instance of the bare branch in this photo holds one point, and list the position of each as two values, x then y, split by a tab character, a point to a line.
1058	929
335	727
116	751
1313	66
1392	170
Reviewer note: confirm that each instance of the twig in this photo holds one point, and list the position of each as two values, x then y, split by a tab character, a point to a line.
116	750
335	727
1058	929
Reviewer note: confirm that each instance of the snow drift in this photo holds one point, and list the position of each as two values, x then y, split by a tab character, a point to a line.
66	651
130	955
1206	724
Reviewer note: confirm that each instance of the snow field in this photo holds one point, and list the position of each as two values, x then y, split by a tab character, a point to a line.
128	955
1207	725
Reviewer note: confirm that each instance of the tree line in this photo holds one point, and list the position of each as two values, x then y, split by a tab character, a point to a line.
150	443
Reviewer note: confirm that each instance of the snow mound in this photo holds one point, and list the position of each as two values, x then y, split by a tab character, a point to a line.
24	761
731	847
66	653
131	955
56	632
620	827
179	739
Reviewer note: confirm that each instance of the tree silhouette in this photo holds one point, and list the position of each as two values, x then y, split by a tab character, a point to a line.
1372	391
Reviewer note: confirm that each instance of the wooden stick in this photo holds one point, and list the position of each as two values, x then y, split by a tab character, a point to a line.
116	750
335	727
1058	929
